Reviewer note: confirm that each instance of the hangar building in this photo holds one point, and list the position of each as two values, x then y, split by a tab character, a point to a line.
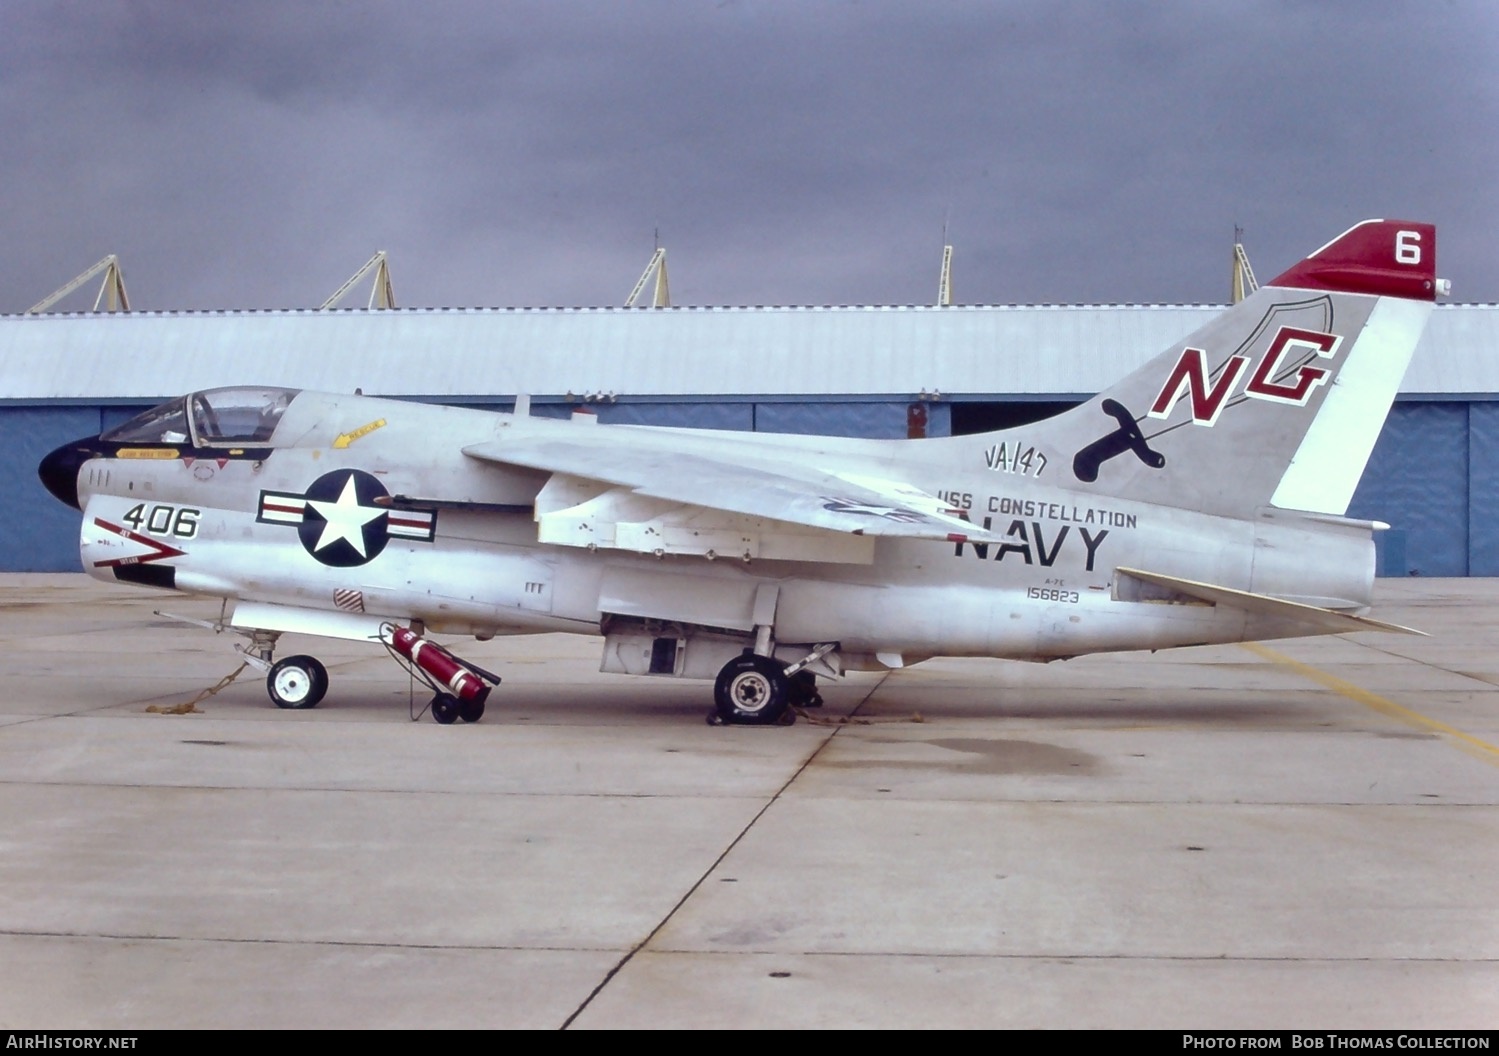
852	371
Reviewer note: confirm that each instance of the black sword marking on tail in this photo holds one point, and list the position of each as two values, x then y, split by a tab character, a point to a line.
1127	437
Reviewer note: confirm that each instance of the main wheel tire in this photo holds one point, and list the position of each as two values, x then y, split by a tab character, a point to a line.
751	690
297	682
445	708
471	710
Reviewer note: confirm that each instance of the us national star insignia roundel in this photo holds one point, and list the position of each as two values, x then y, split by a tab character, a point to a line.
342	525
338	521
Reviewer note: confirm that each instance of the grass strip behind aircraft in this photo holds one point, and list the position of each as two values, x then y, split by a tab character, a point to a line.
1199	500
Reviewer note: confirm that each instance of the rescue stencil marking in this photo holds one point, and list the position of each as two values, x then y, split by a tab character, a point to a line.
343	440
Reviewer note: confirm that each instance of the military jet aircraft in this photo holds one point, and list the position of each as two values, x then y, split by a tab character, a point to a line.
1199	500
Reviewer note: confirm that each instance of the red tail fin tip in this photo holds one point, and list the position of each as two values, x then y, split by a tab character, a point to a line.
1389	258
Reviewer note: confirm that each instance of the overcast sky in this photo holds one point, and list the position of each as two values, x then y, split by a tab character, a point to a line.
255	154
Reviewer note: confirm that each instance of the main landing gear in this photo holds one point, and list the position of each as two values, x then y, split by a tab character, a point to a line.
754	690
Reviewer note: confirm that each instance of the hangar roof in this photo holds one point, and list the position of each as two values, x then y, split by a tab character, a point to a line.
980	351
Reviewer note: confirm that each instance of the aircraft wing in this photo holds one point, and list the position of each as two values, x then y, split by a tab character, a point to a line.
762	487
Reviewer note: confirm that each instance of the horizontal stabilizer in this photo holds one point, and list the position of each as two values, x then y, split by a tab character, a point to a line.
1328	621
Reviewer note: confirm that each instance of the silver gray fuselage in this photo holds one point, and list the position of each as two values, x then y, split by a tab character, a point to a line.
1049	590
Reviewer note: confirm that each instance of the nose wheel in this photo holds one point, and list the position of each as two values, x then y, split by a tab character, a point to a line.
297	682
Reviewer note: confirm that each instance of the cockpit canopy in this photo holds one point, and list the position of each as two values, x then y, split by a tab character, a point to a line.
234	417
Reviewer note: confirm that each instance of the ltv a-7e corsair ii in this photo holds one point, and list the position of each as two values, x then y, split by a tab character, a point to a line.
1202	499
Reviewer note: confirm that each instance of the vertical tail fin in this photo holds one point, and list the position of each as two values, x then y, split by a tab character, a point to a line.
1278	401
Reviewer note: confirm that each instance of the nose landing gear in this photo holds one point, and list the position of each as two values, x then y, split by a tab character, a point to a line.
297	682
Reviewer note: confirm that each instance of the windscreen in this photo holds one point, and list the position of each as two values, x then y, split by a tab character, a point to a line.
163	424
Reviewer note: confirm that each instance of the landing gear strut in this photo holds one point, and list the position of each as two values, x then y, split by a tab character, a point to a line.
754	689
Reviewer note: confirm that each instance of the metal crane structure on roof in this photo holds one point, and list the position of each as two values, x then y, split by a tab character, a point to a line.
1243	281
111	291
944	282
382	293
657	266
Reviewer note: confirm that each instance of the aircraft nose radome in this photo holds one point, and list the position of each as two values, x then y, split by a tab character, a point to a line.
59	470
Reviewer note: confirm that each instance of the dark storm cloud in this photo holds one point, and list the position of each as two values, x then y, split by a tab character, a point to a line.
788	152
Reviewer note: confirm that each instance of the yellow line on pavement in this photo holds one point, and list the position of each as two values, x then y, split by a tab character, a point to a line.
1483	749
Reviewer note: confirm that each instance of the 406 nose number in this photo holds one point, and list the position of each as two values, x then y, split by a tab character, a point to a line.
178	521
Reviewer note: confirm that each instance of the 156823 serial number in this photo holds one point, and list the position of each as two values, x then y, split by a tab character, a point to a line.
1068	597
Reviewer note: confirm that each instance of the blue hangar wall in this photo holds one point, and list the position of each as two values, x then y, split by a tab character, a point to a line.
1433	477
